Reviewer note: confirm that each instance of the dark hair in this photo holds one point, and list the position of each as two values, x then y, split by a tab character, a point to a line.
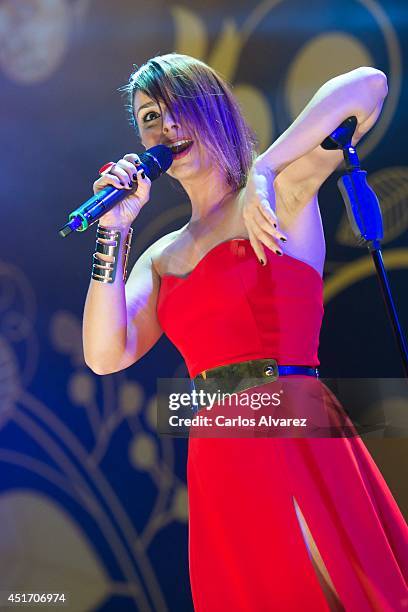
198	98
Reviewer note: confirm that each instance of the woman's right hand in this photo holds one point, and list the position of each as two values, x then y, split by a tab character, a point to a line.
125	175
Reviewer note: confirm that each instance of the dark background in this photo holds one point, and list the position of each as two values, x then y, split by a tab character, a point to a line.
92	500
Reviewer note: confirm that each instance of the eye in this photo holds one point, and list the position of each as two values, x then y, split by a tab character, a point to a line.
148	118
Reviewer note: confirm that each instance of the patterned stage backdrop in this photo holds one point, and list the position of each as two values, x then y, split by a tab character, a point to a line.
92	501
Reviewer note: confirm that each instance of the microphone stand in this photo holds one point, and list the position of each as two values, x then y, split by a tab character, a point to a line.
364	214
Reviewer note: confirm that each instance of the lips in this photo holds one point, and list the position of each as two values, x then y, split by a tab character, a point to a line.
179	146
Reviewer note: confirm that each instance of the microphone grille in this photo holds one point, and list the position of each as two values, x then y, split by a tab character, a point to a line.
157	160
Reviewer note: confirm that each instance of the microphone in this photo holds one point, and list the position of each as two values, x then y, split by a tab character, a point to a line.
155	161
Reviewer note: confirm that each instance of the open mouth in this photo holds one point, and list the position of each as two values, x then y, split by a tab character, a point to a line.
180	146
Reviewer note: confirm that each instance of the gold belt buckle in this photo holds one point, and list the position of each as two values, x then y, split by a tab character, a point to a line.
269	368
246	372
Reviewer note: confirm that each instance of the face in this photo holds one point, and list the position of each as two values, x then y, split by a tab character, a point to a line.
157	126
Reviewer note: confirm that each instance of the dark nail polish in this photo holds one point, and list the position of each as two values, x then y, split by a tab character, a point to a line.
123	184
143	175
279	252
283	239
130	184
262	261
135	177
274	225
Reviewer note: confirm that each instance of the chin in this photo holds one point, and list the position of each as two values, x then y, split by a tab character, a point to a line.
184	171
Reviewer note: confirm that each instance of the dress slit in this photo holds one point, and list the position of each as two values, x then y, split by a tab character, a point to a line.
319	566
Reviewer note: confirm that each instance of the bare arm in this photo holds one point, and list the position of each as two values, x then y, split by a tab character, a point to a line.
360	92
120	322
281	192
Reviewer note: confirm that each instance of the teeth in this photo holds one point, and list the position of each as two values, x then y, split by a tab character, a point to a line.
179	143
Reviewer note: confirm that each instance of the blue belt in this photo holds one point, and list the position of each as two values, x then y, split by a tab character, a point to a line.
288	370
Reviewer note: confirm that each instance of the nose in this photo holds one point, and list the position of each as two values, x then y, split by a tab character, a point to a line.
169	122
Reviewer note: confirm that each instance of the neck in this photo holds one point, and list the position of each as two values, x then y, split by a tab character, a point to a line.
207	192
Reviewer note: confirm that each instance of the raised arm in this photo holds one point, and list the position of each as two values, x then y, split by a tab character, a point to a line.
281	192
296	157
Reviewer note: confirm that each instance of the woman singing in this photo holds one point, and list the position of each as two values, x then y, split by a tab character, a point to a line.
275	523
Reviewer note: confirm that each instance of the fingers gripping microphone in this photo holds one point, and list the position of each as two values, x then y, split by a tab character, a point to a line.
155	161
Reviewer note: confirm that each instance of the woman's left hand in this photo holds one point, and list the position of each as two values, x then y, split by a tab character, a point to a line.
258	211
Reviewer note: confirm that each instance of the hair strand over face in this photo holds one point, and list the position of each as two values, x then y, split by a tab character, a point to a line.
203	103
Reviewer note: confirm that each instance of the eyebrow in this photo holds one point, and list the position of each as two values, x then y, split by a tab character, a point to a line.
145	105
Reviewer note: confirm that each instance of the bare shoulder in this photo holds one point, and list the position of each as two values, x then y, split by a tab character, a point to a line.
160	249
154	253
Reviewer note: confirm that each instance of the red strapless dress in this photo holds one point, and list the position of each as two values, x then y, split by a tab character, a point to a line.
248	550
